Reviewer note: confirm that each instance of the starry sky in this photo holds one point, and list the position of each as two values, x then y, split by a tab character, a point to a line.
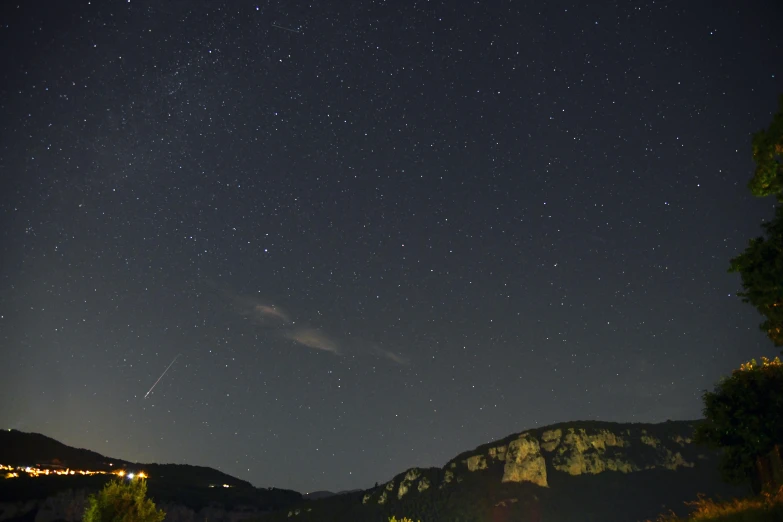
370	235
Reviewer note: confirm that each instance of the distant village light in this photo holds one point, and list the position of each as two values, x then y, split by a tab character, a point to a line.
13	472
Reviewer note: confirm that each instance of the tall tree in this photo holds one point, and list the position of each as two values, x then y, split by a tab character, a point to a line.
761	264
744	414
122	501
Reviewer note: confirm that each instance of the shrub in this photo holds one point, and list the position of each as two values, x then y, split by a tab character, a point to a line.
122	501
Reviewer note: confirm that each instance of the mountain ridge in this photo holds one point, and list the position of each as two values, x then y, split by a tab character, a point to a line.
610	472
186	492
19	448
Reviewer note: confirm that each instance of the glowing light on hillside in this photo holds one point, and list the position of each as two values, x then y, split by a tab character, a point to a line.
14	471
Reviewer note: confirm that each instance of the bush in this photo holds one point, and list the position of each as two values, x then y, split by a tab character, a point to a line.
744	418
122	501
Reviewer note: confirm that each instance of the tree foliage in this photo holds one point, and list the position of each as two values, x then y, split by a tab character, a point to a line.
744	418
761	269
768	155
761	264
122	501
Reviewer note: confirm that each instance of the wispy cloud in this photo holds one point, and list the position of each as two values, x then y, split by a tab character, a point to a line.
313	338
392	356
271	312
271	318
260	311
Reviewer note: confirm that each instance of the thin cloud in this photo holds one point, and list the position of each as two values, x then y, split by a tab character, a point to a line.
399	359
261	312
313	338
270	317
271	312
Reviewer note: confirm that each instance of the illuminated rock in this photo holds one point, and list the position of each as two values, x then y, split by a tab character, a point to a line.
524	462
550	439
407	481
476	462
498	453
586	453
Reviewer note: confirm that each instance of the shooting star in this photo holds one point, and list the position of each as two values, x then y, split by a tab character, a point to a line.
285	28
161	375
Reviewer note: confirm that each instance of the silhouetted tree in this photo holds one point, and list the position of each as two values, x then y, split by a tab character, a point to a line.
761	269
744	418
761	264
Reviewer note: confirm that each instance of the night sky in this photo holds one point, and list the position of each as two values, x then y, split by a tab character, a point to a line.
372	234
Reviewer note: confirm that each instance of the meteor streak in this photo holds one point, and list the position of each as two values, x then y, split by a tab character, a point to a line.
286	28
161	375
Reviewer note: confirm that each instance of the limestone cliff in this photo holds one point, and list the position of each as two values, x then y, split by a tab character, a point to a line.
572	449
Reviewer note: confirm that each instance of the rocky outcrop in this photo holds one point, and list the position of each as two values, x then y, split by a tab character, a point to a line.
498	453
476	462
410	477
551	439
587	470
524	461
578	452
588	448
529	456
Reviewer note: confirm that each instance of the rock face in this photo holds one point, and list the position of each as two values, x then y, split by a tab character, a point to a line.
524	461
573	449
476	462
577	451
585	471
407	482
